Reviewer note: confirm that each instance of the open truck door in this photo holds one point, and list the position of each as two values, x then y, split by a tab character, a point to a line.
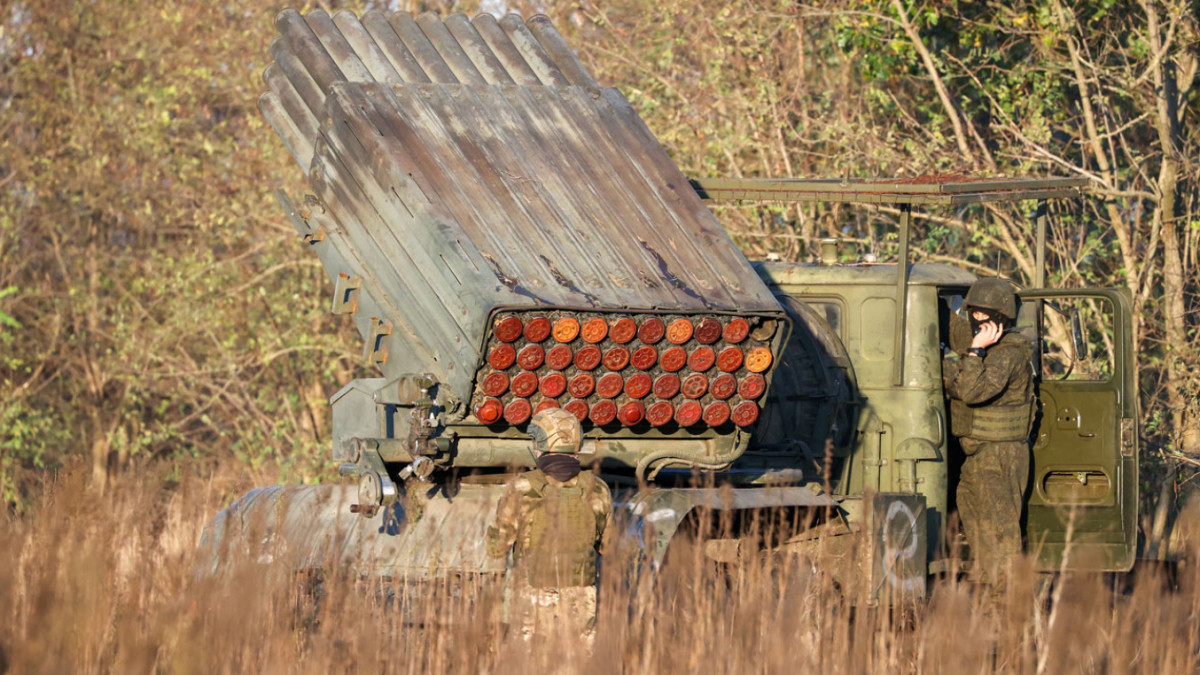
1082	508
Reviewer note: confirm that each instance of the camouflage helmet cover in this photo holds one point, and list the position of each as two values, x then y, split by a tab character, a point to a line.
993	294
555	430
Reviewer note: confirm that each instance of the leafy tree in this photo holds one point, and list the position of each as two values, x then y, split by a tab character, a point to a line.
158	304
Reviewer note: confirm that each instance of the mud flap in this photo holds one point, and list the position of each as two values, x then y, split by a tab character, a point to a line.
896	548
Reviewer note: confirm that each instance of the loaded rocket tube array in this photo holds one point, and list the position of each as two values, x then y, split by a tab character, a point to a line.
619	370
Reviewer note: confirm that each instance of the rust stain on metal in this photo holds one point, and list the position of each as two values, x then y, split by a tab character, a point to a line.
500	275
667	273
558	276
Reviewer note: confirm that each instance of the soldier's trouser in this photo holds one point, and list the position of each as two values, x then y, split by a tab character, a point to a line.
990	494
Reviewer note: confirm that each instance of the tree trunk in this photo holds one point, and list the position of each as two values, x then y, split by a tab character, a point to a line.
1174	307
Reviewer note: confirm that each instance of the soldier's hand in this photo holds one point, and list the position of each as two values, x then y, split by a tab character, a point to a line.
988	335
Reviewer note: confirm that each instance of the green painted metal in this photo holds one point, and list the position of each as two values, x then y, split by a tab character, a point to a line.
897	441
925	192
902	290
902	441
1040	218
814	278
1088	432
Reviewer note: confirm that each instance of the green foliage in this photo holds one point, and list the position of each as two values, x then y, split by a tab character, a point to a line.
29	438
7	321
155	303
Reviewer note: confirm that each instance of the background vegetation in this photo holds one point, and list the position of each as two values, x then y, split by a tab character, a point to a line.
156	307
164	336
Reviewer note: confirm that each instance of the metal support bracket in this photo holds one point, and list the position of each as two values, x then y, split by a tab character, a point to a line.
345	294
375	486
902	272
1039	271
300	218
375	351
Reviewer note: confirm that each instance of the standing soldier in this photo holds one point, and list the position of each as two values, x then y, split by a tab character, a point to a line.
552	521
991	390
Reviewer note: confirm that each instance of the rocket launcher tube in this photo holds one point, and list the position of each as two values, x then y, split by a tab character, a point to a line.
588	364
419	196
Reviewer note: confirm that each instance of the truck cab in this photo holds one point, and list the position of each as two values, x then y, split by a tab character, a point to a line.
883	437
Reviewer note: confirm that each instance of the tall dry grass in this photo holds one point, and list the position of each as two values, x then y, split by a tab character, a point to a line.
104	584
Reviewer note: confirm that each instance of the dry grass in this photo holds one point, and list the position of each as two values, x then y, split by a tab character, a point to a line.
104	584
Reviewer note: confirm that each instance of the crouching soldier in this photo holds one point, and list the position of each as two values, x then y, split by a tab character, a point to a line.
552	520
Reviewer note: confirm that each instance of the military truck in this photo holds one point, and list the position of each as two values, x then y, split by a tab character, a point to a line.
508	235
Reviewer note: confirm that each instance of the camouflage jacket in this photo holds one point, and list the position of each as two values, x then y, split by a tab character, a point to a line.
992	397
553	529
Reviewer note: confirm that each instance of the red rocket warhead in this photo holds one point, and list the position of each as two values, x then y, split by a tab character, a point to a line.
638	385
716	413
594	330
688	413
518	411
502	356
604	412
660	413
559	357
587	358
489	411
509	328
537	329
632	413
745	413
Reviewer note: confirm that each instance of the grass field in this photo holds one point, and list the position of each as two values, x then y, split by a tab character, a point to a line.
97	584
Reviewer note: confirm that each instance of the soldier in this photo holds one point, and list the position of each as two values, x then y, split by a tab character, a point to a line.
991	390
552	521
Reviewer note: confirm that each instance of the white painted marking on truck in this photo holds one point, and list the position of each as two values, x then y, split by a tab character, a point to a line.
894	558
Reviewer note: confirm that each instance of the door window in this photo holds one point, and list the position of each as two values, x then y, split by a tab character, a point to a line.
1077	340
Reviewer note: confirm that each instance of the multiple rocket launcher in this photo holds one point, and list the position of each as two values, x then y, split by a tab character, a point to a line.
508	236
685	370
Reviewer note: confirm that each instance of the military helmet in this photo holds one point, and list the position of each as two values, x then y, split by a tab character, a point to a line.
555	430
993	294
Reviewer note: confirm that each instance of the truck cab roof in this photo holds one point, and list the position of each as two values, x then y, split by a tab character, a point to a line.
867	274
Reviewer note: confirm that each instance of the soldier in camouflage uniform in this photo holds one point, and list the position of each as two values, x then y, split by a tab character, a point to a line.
991	390
552	521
